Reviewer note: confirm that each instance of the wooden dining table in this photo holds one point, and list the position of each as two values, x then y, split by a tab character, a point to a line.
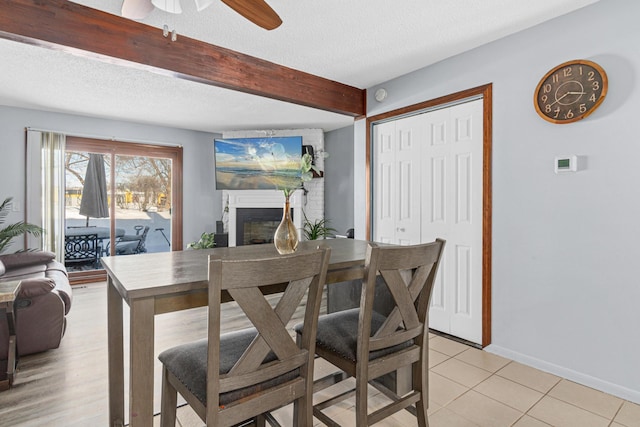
156	283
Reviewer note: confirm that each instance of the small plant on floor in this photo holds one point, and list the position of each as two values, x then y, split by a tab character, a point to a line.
319	229
8	233
206	241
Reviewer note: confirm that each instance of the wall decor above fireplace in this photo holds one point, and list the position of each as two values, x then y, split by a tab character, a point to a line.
265	163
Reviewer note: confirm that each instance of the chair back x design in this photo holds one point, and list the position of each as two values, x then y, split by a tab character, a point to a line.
233	377
366	345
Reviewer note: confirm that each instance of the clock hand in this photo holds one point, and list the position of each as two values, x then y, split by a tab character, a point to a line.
558	99
576	93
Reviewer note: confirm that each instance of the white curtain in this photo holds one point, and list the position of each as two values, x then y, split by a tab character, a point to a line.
46	189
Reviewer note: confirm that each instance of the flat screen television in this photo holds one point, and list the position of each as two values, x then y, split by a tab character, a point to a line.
268	163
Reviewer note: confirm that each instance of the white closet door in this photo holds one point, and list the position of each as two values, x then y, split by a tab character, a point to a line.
384	197
427	183
397	180
452	209
411	133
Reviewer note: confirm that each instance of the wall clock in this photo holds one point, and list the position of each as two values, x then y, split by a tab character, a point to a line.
570	91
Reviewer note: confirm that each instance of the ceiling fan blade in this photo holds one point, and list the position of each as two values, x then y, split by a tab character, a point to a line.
136	9
256	11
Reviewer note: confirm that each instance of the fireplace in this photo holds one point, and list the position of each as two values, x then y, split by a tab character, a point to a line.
254	215
255	226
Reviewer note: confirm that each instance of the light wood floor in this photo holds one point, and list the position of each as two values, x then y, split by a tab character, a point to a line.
468	387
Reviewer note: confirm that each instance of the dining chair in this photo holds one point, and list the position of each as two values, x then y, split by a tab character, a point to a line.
366	345
242	375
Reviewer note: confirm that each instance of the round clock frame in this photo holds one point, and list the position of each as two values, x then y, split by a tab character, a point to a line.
570	91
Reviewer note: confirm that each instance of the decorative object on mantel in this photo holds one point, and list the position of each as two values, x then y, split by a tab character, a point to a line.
256	11
286	235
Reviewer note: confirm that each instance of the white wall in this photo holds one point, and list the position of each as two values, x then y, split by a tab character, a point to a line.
201	203
338	178
566	285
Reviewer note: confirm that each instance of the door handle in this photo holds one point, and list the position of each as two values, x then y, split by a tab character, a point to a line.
400	229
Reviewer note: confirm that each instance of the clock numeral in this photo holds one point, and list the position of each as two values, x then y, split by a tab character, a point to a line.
567	72
557	111
595	85
591	75
580	68
555	78
583	108
544	98
569	115
547	88
592	98
547	108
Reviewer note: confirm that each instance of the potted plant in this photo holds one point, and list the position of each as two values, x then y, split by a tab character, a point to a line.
206	241
8	233
319	229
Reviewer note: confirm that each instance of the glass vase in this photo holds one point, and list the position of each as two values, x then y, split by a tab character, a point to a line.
286	237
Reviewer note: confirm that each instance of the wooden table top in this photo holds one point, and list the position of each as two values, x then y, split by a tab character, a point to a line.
9	291
160	274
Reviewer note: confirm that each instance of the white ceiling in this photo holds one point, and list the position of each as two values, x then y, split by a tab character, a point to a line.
361	43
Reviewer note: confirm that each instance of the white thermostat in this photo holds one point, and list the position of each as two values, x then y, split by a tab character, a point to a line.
564	164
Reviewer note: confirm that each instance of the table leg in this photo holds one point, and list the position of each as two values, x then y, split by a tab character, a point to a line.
141	362
13	351
6	384
116	356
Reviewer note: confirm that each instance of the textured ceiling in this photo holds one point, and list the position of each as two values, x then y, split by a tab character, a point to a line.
357	42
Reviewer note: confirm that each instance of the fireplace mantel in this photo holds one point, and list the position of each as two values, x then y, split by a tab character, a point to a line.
262	199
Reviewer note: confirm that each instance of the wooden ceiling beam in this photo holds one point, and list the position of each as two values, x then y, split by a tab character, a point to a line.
70	27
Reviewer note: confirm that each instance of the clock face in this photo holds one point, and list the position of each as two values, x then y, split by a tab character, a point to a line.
571	91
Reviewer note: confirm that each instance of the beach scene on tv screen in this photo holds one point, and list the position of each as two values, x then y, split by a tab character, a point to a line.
269	163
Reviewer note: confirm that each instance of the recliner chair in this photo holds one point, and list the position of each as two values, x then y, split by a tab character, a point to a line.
41	306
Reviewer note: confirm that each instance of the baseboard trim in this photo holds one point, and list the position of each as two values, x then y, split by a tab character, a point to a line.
561	371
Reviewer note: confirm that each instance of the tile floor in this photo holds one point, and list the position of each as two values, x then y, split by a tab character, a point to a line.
471	388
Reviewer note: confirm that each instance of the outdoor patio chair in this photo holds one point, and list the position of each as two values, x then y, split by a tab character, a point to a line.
133	244
80	250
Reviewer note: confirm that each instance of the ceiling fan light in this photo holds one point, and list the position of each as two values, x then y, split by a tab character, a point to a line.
133	9
171	6
203	4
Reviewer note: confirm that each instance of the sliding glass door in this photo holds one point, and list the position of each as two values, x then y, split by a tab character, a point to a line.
121	199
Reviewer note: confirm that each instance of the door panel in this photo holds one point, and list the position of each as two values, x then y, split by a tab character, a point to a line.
428	184
397	209
410	133
384	200
455	149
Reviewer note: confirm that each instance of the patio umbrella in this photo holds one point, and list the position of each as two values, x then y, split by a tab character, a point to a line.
94	193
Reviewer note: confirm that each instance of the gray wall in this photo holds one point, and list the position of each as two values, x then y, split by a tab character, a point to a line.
338	179
202	205
566	283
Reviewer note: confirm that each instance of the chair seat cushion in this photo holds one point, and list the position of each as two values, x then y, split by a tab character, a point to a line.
188	363
126	248
338	333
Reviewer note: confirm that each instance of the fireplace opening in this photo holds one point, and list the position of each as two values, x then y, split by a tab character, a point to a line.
256	226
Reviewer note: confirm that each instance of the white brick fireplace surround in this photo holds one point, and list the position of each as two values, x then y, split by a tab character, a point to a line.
262	199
